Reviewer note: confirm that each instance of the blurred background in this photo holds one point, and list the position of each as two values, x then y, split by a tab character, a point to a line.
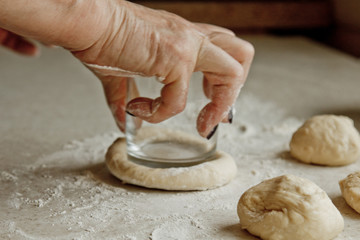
333	22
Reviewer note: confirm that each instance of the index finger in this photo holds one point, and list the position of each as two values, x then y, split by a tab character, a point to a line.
242	51
172	99
226	77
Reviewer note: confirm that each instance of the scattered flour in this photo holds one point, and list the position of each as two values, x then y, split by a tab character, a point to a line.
8	177
71	195
179	229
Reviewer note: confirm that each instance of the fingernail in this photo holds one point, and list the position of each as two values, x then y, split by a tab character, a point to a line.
130	113
212	132
231	115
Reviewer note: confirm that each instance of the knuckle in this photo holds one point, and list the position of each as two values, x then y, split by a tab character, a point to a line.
249	50
231	32
237	72
179	107
181	49
178	48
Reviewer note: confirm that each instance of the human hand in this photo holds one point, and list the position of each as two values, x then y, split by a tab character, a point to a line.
17	43
143	41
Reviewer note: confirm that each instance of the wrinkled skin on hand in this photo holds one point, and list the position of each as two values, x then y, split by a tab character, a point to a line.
157	43
136	39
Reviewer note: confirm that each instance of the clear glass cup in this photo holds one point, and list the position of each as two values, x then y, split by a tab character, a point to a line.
173	142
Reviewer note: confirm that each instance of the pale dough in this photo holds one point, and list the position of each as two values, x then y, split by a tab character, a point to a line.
207	175
350	189
289	208
326	140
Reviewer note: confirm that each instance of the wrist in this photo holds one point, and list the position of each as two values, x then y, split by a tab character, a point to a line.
109	29
72	24
83	23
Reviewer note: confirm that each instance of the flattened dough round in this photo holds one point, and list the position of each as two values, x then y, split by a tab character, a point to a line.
289	207
350	189
326	140
203	176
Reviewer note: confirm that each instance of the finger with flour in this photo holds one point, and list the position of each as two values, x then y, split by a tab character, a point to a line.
240	50
225	77
172	99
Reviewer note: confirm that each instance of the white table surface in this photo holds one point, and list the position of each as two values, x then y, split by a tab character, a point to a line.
55	128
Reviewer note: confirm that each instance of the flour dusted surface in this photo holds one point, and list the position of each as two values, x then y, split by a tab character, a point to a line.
71	194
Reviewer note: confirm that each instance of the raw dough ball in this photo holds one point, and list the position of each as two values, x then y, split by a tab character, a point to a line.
203	176
350	188
289	207
327	140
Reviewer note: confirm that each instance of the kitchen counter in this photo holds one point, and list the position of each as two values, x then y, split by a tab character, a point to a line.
55	129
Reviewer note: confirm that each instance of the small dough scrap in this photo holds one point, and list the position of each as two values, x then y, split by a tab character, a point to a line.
350	189
289	207
203	176
326	140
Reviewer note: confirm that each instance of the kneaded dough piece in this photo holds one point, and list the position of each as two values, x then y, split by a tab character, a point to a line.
350	189
203	176
289	207
326	140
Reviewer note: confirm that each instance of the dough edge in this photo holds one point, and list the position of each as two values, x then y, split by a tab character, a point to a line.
204	176
257	222
350	190
314	145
